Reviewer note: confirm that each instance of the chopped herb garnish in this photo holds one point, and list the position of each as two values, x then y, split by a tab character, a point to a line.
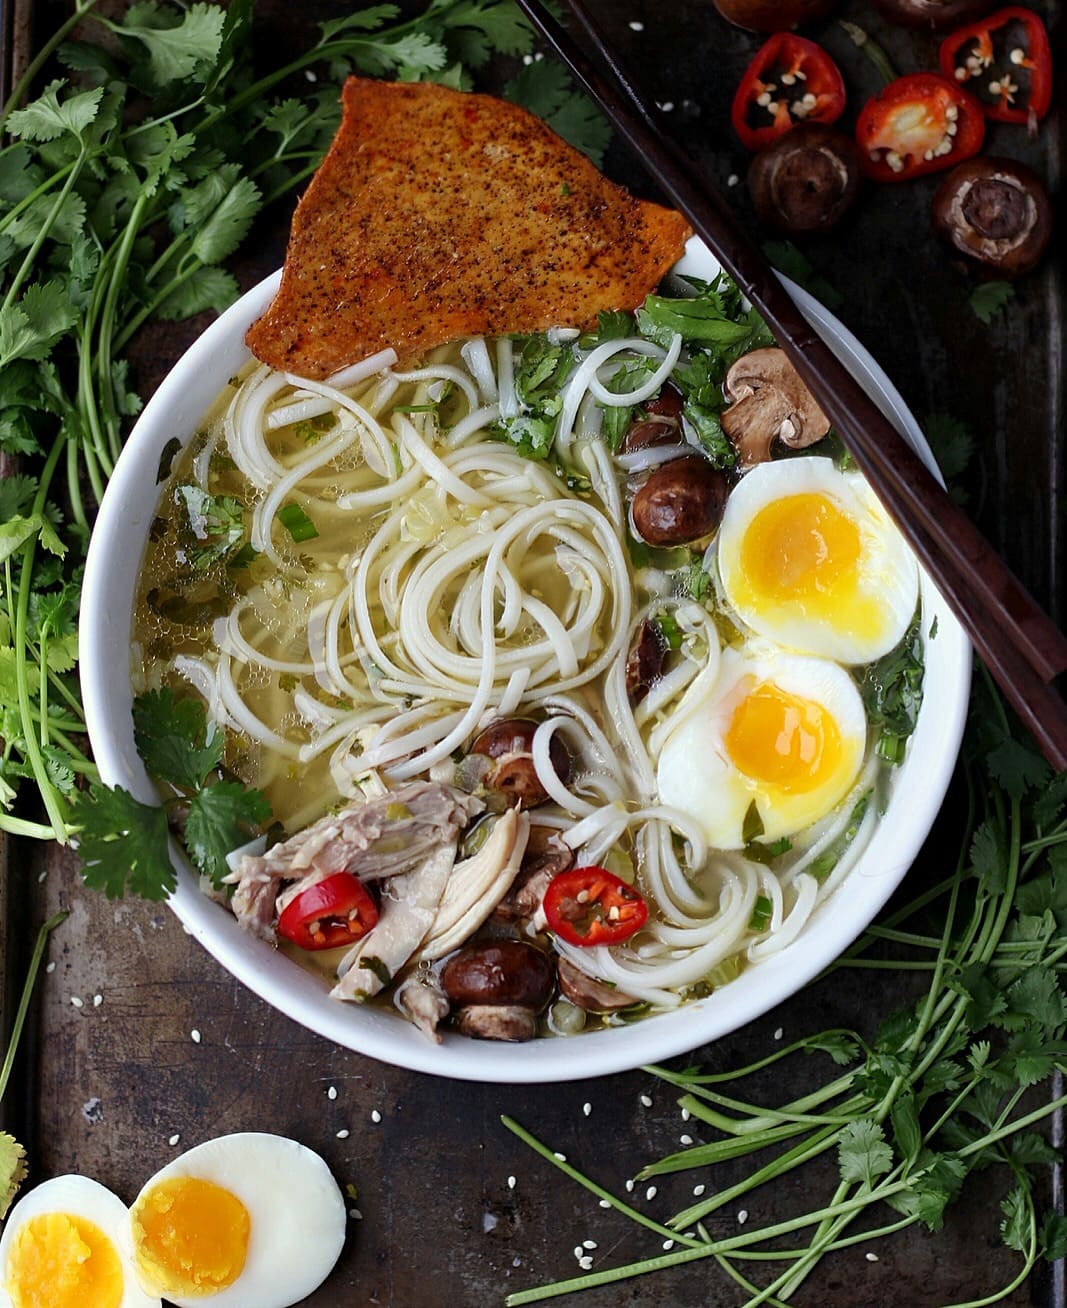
297	523
379	969
892	690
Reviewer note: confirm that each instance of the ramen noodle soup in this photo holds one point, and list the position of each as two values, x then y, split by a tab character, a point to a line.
567	704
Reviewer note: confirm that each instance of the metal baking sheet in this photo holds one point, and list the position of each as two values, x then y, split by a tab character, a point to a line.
104	1088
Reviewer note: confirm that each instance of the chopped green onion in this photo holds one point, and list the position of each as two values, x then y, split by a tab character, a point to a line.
297	523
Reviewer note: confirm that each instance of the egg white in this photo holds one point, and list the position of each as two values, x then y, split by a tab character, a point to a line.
296	1211
694	770
868	617
77	1196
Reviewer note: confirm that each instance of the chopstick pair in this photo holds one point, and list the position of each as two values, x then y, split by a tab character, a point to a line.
1023	649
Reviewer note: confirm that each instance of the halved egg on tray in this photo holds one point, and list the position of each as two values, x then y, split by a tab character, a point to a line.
243	1221
808	558
780	740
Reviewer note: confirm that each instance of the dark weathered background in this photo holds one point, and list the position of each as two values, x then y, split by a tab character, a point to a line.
105	1086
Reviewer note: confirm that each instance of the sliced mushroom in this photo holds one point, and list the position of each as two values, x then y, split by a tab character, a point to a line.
493	1022
509	742
769	402
645	662
585	992
477	885
996	213
545	857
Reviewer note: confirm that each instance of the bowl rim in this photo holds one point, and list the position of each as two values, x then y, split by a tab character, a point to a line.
115	550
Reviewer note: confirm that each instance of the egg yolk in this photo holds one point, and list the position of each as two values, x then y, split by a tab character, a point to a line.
802	549
190	1236
60	1261
783	740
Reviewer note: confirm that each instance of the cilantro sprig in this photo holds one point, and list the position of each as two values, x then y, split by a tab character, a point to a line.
125	844
930	1105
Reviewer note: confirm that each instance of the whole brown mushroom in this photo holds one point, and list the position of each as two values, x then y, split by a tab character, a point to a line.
769	402
500	987
773	15
807	180
509	743
996	213
934	15
679	502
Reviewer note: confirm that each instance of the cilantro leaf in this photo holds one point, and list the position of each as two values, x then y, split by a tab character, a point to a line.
174	740
124	844
785	256
222	817
31	326
952	442
989	299
13	1170
1017	768
863	1155
1018	1210
48	117
229	222
177	44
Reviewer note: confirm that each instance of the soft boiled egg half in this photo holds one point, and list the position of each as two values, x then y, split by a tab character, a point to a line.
243	1221
61	1248
809	559
784	732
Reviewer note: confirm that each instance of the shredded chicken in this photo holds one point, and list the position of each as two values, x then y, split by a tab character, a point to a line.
379	839
407	911
423	1001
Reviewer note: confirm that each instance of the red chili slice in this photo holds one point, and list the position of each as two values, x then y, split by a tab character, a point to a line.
335	911
1006	60
591	906
918	124
791	80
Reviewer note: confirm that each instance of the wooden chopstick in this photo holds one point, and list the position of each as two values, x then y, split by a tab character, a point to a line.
1020	644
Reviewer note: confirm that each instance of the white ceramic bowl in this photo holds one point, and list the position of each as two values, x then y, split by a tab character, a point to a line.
115	555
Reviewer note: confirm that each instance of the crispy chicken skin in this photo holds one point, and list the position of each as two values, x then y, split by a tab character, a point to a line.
439	214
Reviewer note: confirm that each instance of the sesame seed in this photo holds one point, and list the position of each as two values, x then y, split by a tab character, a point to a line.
637	27
733	179
41	877
194	1036
698	1190
742	1217
375	1115
686	1114
604	1203
685	1139
778	1034
174	1139
646	1101
586	1263
629	1187
589	1244
511	1183
668	1244
527	60
651	1192
50	968
332	1092
562	1157
871	1257
76	1002
587	1109
355	1214
311	77
578	1252
667	106
97	1000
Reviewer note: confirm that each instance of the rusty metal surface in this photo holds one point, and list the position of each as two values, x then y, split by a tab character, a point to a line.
104	1087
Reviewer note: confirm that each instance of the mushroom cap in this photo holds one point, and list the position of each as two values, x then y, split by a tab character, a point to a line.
807	180
769	401
996	213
